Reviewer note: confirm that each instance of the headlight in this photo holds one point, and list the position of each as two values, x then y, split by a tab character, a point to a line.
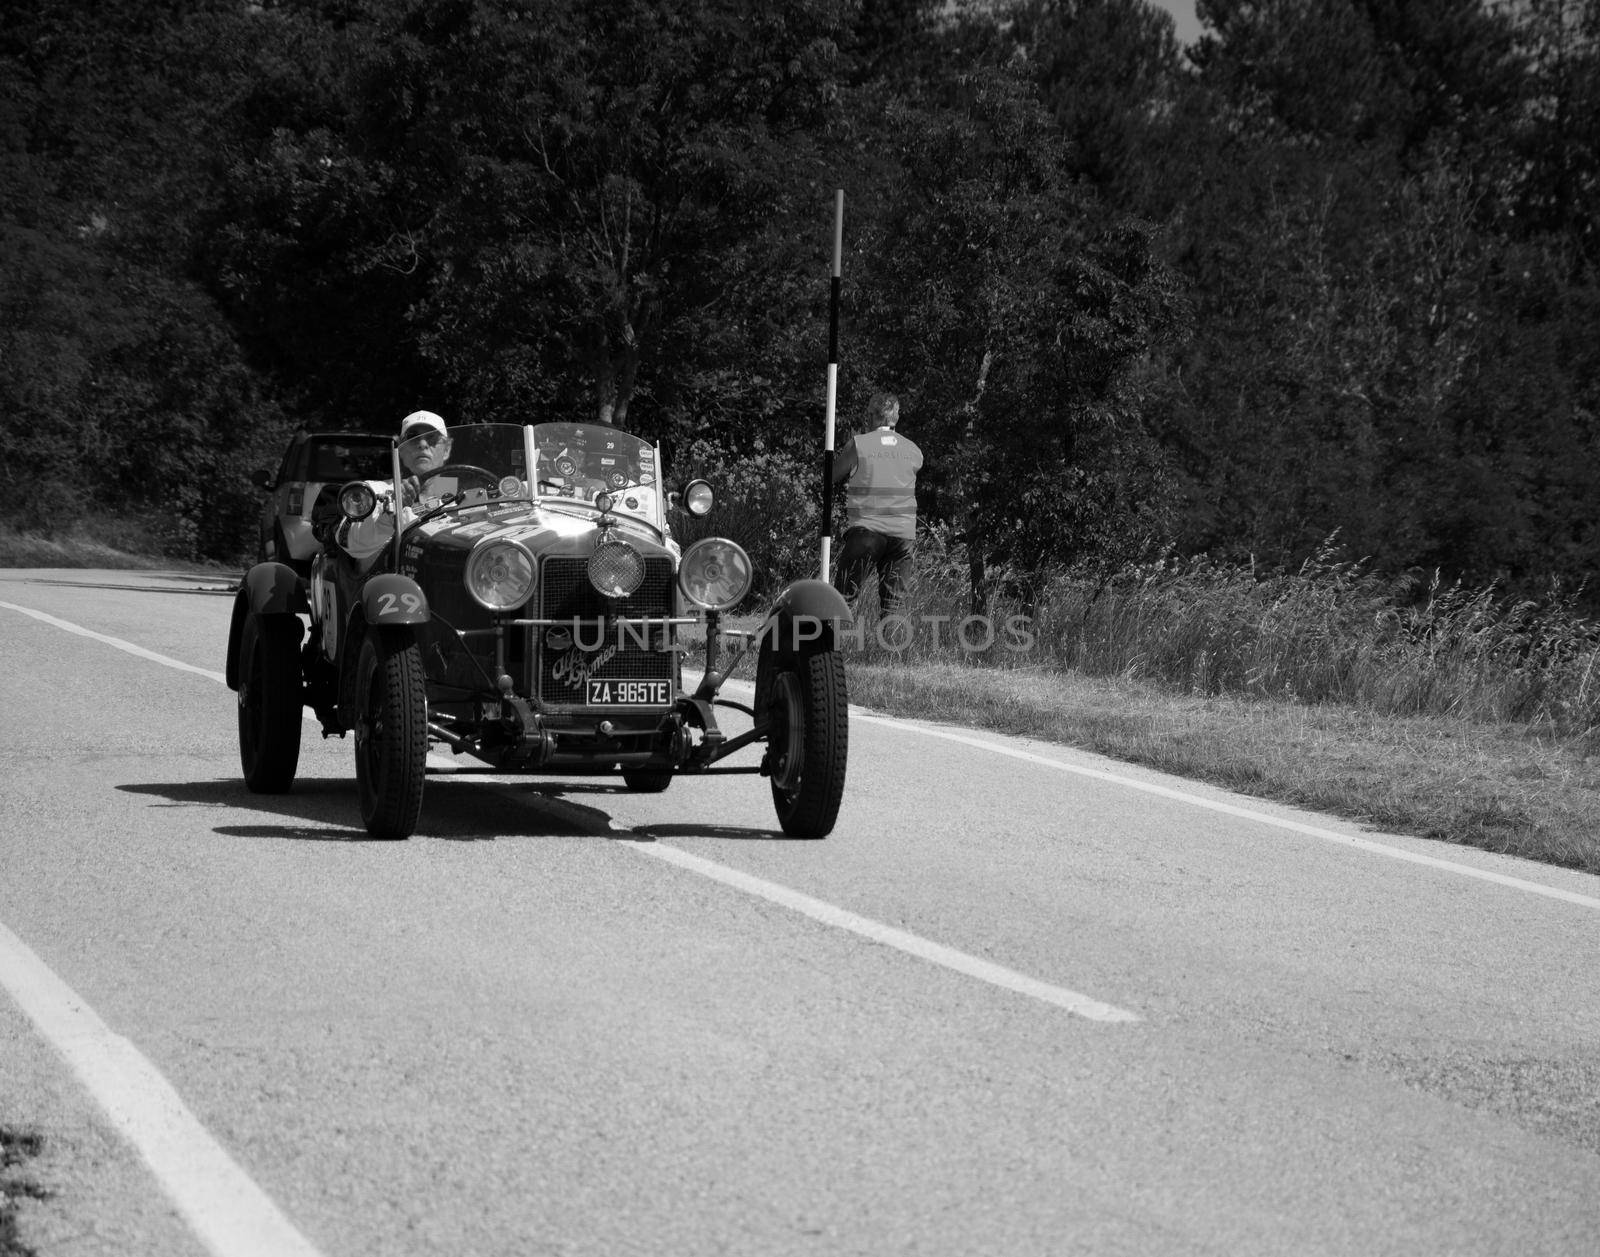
500	574
357	500
615	569
715	574
698	498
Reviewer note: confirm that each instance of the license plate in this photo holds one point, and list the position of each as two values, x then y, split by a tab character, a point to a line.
630	693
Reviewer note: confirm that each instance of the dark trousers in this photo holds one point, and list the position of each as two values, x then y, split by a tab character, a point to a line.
862	551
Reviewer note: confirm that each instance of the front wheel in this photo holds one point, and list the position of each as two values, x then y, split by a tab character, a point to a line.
391	732
269	701
808	741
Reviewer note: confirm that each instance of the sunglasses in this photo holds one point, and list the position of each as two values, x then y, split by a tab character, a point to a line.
428	436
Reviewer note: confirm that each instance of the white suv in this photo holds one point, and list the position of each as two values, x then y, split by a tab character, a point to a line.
313	460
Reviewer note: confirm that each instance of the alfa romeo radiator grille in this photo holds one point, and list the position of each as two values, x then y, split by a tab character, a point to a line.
593	649
565	591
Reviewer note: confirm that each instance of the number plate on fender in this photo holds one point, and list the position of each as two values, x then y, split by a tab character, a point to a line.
629	693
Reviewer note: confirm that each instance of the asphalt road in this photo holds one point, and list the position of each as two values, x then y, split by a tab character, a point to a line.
1022	1001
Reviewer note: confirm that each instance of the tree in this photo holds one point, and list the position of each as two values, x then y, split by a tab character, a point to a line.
990	295
583	184
1108	71
119	382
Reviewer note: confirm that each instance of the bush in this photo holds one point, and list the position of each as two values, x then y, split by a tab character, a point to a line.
765	501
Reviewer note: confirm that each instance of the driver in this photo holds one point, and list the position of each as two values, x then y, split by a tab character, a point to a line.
425	445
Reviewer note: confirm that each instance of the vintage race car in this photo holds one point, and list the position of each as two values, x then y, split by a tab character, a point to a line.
529	612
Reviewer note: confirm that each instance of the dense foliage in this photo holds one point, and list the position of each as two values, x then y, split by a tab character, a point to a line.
1331	269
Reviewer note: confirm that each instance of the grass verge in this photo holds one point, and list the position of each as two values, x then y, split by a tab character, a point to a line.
17	1148
1500	787
121	545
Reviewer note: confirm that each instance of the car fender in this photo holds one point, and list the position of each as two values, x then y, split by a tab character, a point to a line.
274	587
811	597
805	616
390	599
805	611
267	589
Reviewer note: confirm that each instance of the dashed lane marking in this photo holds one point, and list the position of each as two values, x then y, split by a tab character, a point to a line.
878	932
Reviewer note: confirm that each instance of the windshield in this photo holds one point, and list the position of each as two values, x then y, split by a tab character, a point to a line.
575	461
578	460
471	455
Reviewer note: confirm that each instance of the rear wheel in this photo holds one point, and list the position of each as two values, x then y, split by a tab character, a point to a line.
808	741
269	701
391	732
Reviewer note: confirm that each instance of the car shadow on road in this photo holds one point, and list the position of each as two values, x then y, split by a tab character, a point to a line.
324	807
735	833
562	790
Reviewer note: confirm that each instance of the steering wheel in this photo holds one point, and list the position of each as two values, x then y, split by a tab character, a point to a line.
490	480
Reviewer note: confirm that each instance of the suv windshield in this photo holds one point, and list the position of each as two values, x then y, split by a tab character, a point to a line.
335	459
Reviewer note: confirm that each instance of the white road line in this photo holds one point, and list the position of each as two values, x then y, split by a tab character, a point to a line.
140	651
1243	813
309	716
231	1215
1368	845
911	944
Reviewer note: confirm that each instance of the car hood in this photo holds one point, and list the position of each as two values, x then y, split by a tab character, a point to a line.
542	530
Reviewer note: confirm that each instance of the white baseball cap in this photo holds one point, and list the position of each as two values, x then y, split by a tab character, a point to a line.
417	420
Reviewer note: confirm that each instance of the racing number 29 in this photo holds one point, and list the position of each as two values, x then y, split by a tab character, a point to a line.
389	603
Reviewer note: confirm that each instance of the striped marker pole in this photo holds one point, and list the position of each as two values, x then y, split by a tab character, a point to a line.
833	384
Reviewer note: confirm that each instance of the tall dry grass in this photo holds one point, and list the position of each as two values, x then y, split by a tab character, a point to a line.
1330	632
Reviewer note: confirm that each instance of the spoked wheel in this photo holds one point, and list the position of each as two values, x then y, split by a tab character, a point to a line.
808	737
647	780
391	732
269	701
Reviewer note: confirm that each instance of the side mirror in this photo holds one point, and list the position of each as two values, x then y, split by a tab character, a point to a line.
262	478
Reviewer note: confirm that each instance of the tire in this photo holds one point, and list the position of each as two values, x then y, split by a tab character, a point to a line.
391	732
808	742
270	696
647	780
